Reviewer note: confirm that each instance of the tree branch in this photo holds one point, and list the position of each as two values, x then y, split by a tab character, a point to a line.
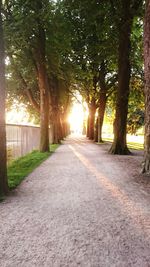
27	90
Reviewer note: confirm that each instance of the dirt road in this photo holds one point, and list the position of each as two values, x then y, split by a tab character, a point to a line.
81	207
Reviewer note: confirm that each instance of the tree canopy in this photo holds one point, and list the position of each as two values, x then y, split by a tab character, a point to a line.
57	47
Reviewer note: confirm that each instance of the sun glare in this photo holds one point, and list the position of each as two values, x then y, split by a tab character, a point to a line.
77	118
17	115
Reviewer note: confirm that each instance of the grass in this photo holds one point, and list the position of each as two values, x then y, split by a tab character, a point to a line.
136	146
20	168
132	145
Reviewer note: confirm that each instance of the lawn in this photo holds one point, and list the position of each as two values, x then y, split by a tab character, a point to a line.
132	145
20	168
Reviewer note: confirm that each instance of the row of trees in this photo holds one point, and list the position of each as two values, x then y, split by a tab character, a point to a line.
37	63
56	48
107	61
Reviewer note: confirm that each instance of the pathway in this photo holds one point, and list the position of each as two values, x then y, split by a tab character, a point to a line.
81	207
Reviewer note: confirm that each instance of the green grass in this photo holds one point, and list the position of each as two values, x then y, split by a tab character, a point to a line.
132	145
20	168
136	146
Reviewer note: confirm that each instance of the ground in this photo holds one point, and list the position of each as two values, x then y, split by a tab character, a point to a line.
81	207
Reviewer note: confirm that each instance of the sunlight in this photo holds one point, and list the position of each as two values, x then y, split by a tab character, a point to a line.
119	195
78	117
18	115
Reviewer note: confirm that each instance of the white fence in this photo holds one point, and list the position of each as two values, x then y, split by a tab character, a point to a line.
22	139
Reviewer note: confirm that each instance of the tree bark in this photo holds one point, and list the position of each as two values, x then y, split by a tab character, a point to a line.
44	103
56	120
84	129
3	159
102	101
146	164
65	125
101	113
32	100
44	114
92	112
96	131
43	84
119	145
87	130
57	134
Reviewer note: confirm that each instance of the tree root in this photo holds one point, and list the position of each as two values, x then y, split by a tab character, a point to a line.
119	150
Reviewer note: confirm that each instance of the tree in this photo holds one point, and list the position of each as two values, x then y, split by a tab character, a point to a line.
127	13
94	54
135	118
146	165
135	121
3	160
22	86
119	145
42	62
27	41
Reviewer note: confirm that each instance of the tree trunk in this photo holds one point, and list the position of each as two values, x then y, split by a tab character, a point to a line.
51	132
65	126
63	123
44	118
3	159
96	131
146	165
44	104
84	129
43	84
57	128
101	113
102	100
92	112
119	145
87	131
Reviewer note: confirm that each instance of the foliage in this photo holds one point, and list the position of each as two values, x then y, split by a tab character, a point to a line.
136	105
92	43
22	42
23	166
135	121
77	46
137	66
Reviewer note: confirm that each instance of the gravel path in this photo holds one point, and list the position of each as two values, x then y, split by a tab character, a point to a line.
81	207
